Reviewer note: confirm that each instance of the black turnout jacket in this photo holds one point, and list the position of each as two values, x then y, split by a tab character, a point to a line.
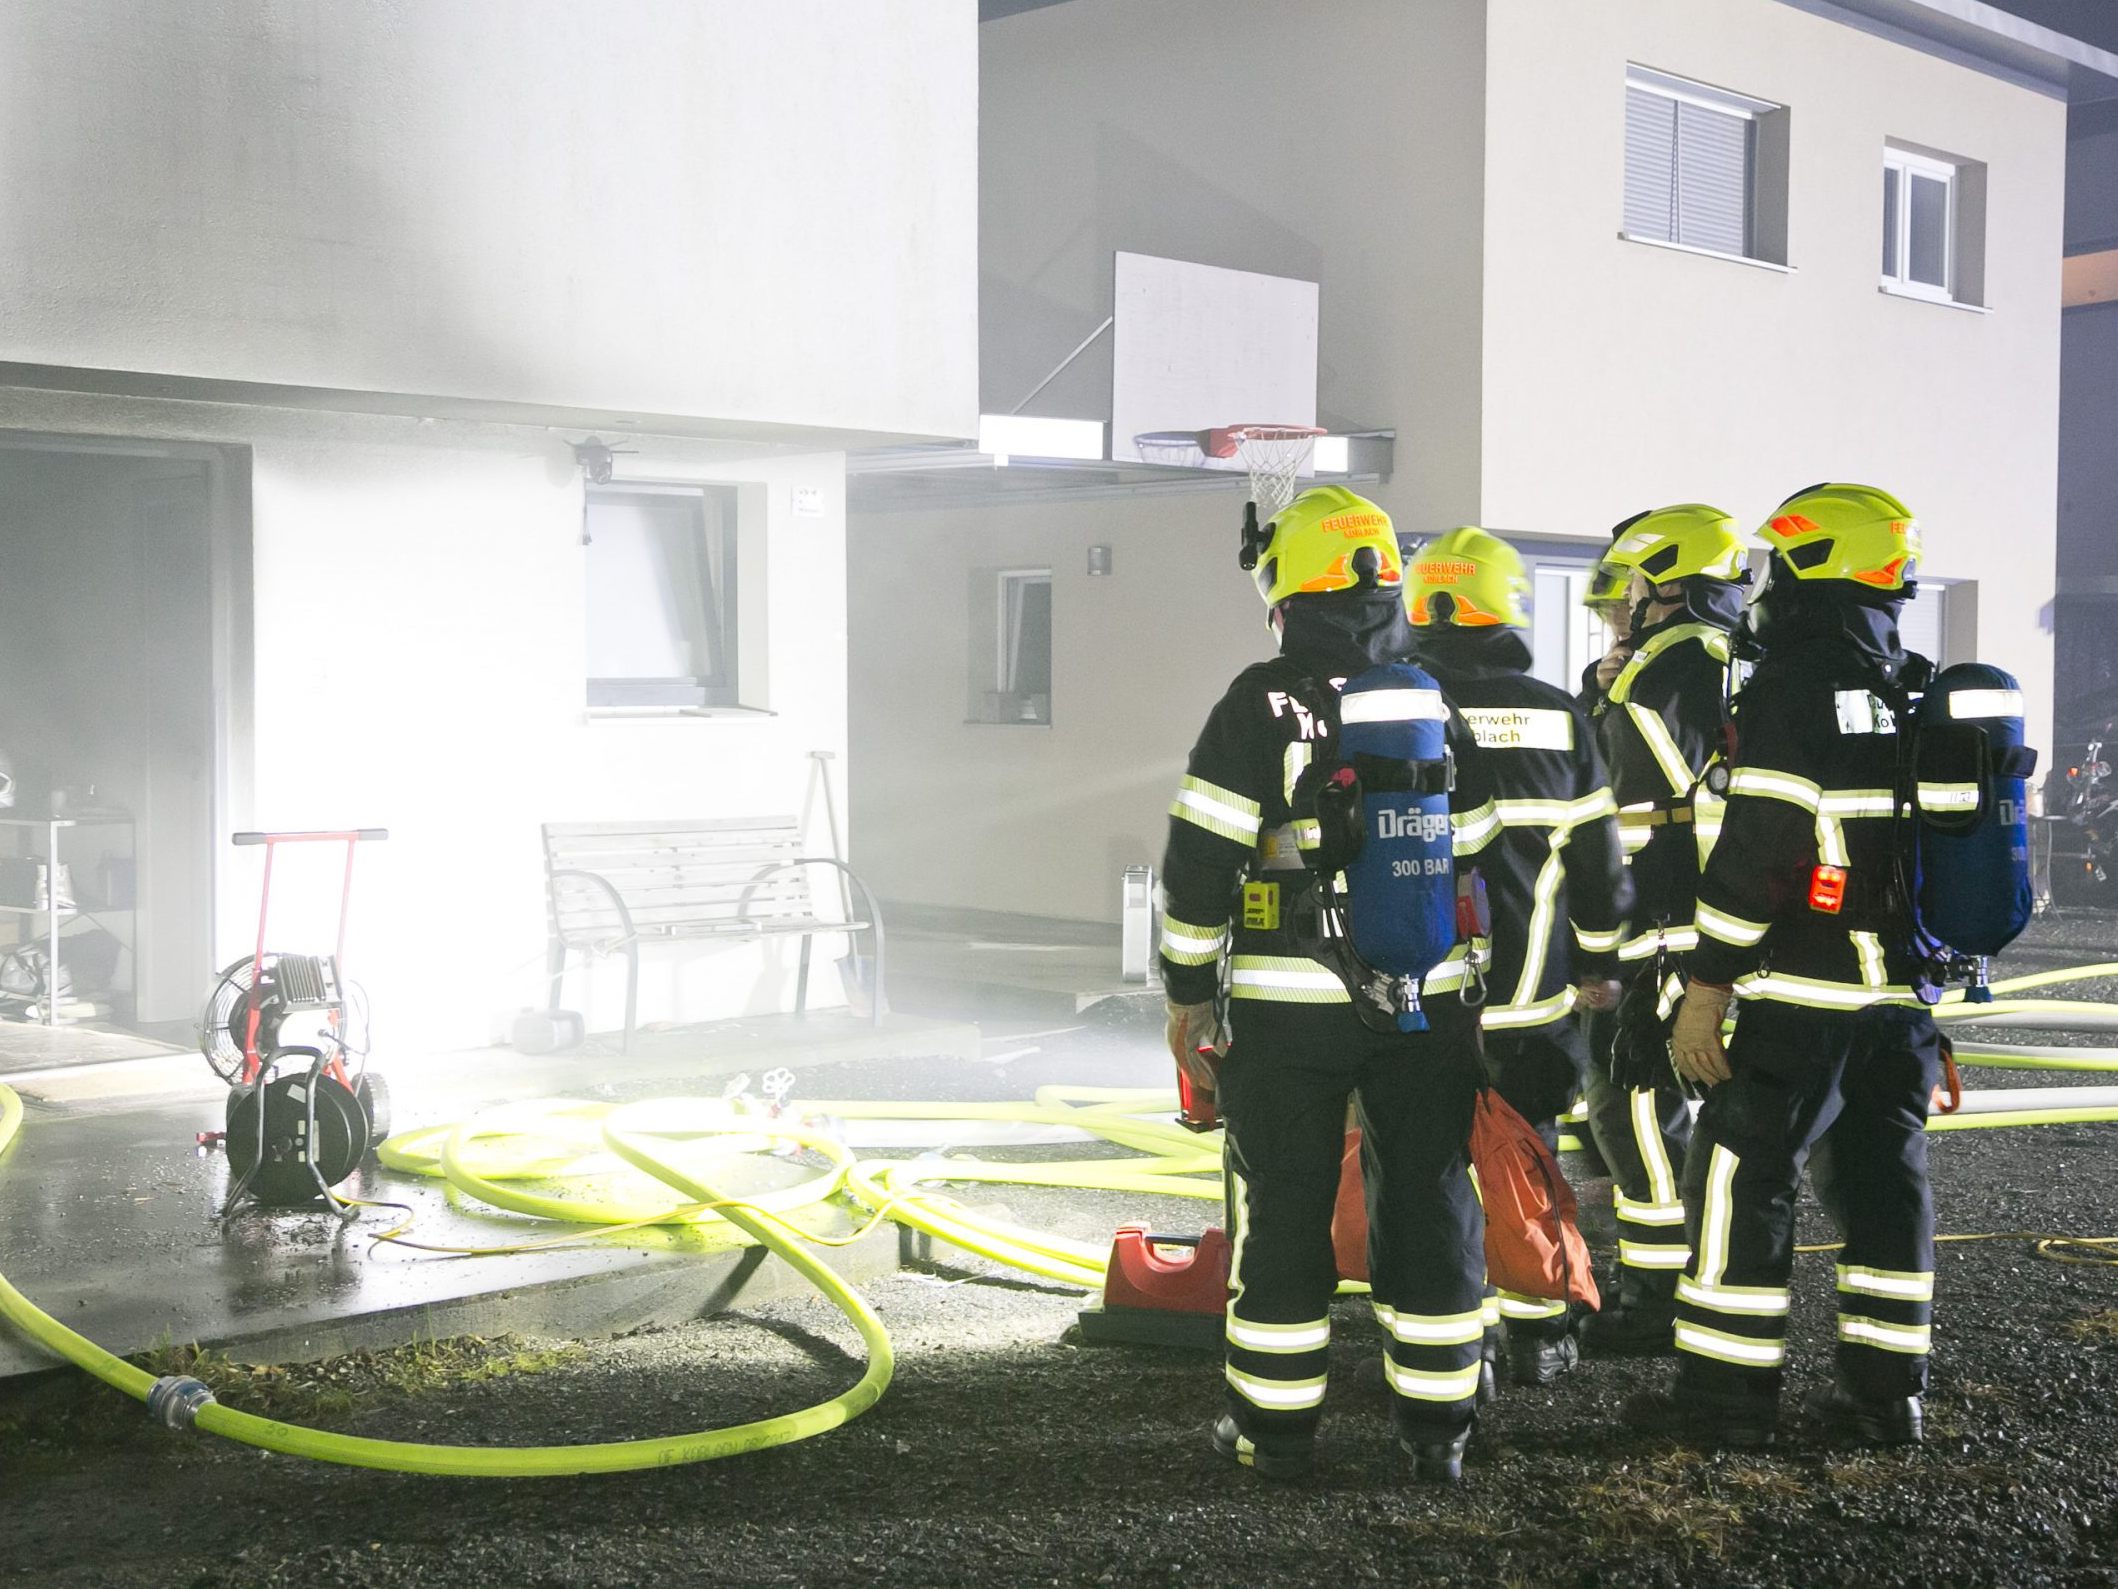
1815	783
1555	876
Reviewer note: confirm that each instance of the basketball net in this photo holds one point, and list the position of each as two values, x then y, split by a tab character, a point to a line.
1274	456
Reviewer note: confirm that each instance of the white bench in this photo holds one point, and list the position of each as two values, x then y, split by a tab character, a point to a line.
613	886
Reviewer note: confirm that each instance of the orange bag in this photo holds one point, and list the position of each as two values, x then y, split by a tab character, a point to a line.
1533	1243
1349	1220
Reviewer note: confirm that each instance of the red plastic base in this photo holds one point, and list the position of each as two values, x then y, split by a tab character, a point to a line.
1144	1275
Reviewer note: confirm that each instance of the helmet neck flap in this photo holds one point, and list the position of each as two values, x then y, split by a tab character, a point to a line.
1339	633
1790	613
1494	650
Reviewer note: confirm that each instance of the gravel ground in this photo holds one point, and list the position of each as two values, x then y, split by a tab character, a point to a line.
1006	1453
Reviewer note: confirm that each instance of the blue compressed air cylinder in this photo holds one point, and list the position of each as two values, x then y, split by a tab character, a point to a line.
1975	891
1401	888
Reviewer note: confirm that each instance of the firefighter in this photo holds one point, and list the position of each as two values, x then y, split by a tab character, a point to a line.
1295	1050
1555	879
1802	910
1609	600
1662	723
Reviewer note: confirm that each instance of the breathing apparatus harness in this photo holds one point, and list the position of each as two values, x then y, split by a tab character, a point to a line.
1957	884
1377	899
1382	902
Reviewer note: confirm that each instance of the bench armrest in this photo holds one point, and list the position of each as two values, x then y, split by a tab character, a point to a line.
616	899
874	912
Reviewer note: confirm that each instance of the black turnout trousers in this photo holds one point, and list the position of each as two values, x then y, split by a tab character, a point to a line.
1644	1136
1540	1071
1847	1093
1283	1090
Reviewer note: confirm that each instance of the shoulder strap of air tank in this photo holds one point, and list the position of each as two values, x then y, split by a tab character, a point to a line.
1897	694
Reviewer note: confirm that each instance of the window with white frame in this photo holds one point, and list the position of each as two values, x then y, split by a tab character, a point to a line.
1566	637
1022	671
1933	226
661	582
1705	168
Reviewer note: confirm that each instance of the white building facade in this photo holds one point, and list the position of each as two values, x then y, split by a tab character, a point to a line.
1582	259
307	304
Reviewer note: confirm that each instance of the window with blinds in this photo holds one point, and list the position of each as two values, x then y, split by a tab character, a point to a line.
1692	164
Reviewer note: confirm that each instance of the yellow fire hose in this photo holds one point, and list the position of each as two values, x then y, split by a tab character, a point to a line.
499	1155
565	1139
626	1133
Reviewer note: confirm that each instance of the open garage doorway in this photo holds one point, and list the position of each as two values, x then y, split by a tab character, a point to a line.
108	722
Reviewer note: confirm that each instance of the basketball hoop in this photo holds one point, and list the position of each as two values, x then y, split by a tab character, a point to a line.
1173	449
1273	455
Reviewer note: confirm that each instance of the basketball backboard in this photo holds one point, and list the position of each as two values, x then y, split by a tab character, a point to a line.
1197	346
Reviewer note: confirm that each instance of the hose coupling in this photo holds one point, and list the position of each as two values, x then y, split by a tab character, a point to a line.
176	1399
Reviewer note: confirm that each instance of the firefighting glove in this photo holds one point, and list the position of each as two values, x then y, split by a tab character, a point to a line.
1196	1041
1695	1037
1640	1040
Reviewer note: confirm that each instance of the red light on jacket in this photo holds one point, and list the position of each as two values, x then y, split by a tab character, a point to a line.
1827	889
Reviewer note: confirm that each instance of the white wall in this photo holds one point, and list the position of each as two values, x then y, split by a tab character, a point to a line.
1228	132
1619	375
1451	171
713	208
419	665
1023	818
1339	145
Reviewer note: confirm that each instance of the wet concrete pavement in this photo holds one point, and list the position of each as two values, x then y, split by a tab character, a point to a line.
109	1213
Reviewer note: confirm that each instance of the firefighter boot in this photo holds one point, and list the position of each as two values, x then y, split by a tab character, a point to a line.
1489	1369
1273	1462
1539	1360
1642	1320
1898	1421
1436	1460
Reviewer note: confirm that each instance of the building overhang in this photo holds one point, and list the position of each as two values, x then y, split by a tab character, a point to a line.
1984	38
925	478
765	435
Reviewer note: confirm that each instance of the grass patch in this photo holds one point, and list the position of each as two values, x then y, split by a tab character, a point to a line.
2096	1329
1764	1483
295	1391
1864	1473
74	1409
1666	1505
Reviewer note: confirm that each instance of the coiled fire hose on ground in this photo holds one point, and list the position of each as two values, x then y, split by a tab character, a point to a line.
502	1155
489	1156
626	1131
